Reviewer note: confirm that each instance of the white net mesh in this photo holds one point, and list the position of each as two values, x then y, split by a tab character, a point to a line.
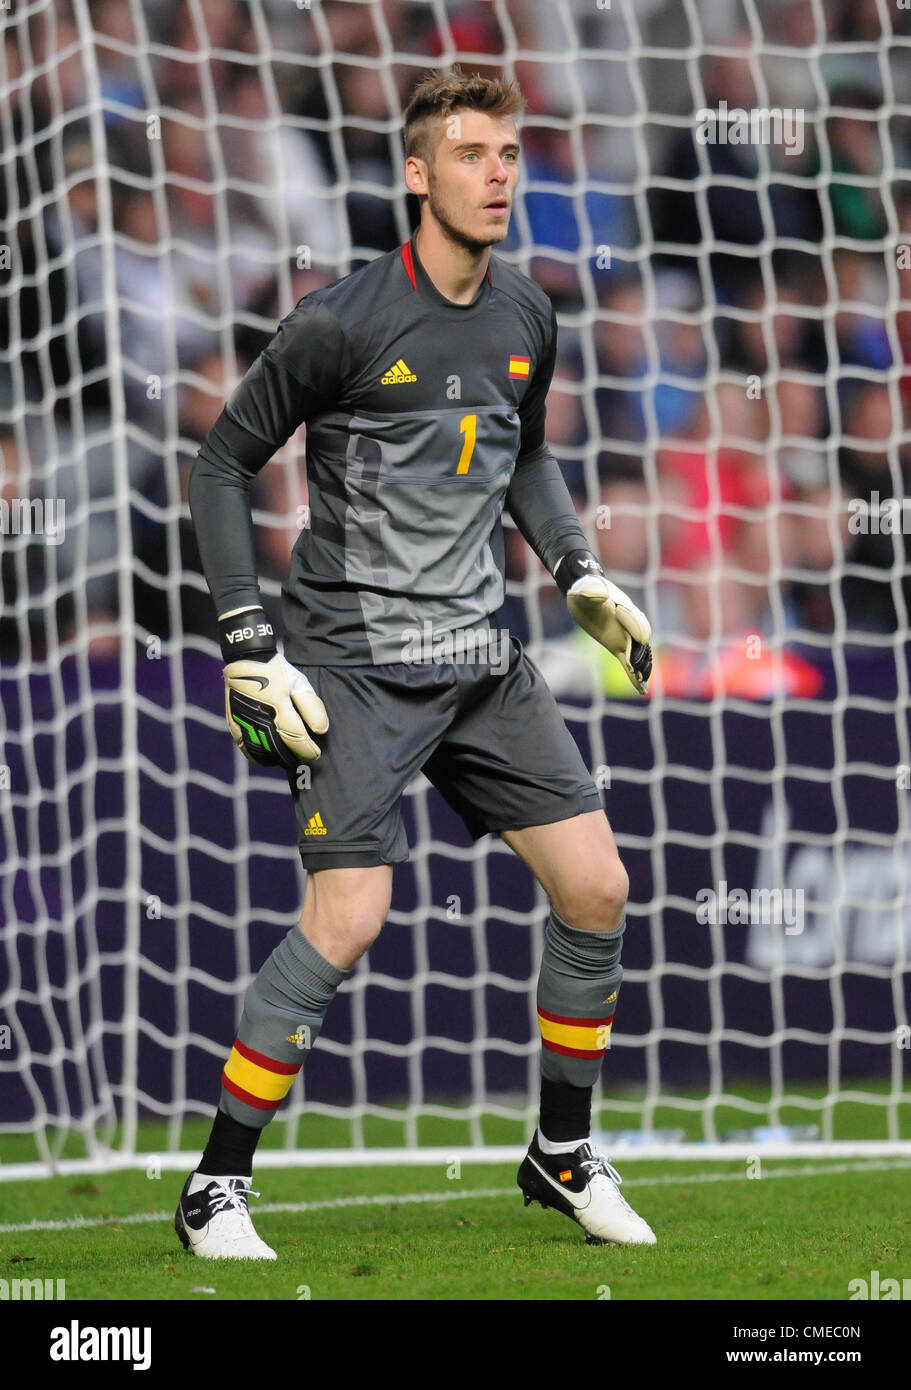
730	406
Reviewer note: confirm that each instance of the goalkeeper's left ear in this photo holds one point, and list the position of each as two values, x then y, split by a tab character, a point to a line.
606	613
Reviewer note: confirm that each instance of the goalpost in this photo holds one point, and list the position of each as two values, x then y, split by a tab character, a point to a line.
176	176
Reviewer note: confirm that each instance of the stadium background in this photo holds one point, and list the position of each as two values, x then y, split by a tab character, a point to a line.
176	177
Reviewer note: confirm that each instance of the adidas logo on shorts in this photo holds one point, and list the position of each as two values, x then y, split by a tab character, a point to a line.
315	826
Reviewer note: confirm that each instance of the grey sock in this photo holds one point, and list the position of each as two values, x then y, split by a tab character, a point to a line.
578	986
283	1014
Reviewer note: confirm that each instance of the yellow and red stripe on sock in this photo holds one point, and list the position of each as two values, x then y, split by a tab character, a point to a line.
574	1037
519	366
257	1080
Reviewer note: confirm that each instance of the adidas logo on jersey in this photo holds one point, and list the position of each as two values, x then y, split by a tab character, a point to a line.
397	374
315	826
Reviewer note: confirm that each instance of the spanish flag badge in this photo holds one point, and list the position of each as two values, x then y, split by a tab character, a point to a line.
519	366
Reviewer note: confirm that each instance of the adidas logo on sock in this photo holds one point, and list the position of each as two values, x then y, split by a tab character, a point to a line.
397	374
315	826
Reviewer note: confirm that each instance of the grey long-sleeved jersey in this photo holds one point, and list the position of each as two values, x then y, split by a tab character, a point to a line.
424	418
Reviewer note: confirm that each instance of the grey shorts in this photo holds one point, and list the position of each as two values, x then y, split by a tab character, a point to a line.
494	744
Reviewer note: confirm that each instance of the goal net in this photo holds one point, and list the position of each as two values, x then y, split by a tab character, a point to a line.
717	197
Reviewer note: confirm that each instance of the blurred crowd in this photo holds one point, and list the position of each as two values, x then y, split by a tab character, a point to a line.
735	344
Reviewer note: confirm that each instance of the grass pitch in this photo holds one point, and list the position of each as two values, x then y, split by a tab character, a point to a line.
802	1230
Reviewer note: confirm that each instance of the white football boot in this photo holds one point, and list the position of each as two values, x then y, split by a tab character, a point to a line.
584	1186
213	1220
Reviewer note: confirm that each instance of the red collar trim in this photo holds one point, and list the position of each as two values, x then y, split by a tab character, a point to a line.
408	262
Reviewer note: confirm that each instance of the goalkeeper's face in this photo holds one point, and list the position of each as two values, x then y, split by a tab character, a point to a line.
471	183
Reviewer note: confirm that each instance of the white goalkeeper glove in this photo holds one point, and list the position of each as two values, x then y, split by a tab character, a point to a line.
271	707
606	613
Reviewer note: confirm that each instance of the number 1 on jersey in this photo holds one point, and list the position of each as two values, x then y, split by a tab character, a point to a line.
469	427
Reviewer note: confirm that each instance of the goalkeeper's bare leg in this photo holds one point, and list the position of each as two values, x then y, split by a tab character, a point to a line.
578	866
344	911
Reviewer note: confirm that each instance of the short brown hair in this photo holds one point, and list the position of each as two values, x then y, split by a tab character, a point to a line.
439	94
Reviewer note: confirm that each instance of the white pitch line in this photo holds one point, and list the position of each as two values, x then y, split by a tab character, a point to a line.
81	1223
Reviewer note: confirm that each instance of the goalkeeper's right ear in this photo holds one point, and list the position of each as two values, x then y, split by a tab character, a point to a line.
270	706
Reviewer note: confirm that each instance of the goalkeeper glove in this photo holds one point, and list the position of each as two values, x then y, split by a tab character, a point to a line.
606	613
270	706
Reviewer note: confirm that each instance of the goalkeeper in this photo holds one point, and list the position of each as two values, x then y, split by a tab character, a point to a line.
422	379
